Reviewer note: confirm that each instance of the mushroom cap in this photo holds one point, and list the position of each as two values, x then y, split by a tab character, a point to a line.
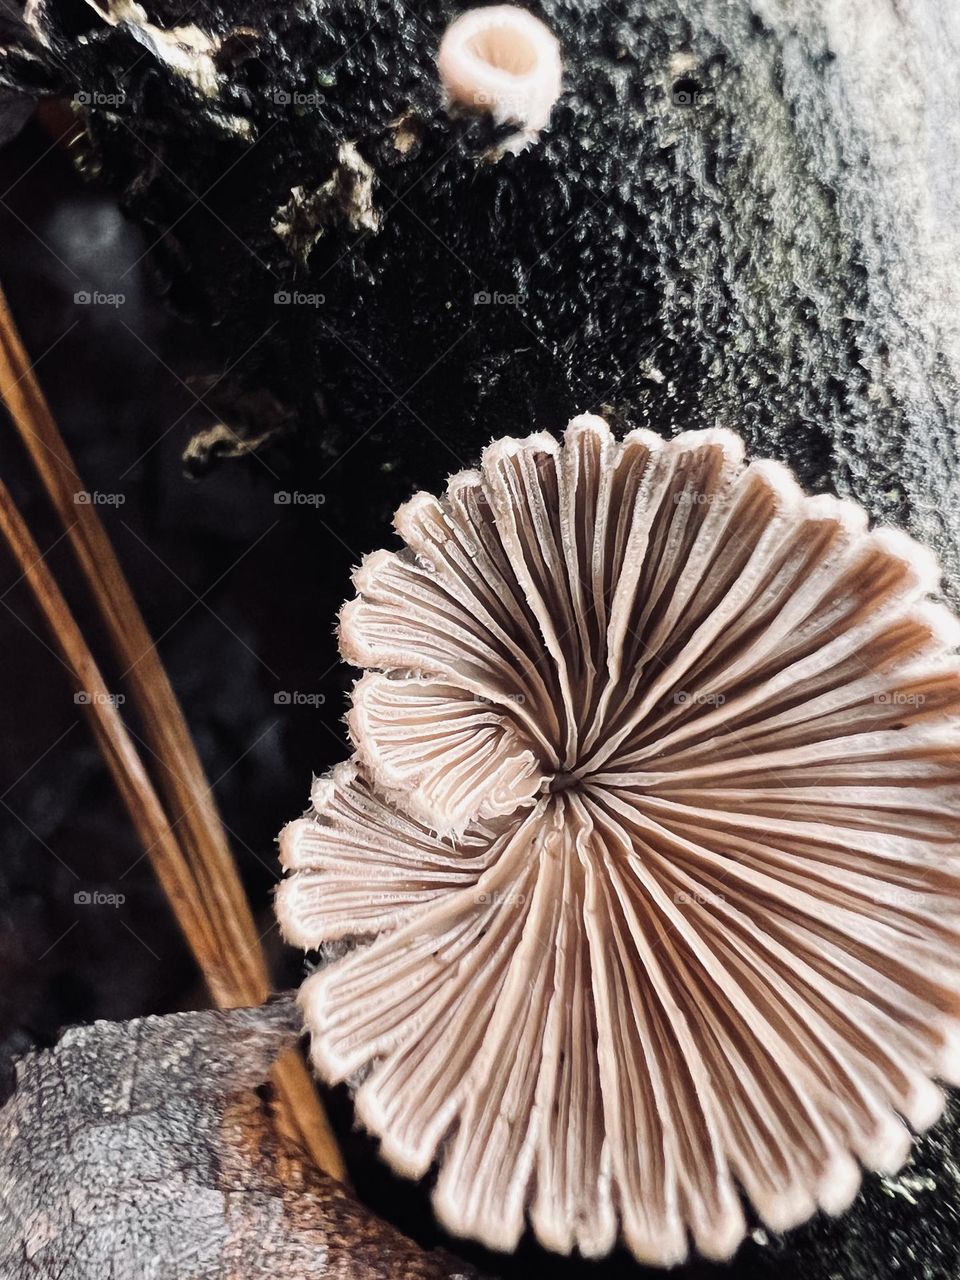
649	846
501	60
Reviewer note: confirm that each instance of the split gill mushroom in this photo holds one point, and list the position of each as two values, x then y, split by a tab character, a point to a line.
647	851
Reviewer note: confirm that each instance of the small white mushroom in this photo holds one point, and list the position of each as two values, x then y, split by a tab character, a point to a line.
503	61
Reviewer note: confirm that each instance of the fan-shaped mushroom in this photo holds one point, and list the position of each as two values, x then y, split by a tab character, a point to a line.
649	845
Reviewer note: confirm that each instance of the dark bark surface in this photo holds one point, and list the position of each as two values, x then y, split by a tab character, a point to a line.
144	1150
779	255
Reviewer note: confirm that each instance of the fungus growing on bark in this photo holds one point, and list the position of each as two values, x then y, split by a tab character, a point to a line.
503	61
649	846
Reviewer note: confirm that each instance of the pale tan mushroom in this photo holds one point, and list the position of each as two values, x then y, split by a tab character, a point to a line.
650	847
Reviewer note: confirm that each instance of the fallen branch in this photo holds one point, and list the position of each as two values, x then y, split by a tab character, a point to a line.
141	1150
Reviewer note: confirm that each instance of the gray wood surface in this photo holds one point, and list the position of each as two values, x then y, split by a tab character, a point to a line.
143	1151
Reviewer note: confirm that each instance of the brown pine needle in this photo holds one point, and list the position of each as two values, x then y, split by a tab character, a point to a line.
119	751
189	850
239	974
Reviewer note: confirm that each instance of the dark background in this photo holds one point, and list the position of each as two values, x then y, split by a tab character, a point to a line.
241	595
239	592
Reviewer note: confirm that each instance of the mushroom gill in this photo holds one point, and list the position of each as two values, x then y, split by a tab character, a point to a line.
649	847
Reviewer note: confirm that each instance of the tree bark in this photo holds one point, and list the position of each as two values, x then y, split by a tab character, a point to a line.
147	1150
744	212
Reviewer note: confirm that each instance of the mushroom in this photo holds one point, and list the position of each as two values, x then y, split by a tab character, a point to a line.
648	848
503	61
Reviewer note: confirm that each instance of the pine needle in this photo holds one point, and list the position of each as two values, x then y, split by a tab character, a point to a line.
181	832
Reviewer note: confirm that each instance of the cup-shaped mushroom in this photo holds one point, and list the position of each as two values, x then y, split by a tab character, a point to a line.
503	61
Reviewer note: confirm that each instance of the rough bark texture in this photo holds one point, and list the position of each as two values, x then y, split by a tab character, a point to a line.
744	212
146	1150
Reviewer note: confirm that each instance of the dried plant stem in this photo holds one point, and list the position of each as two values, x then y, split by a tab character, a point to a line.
119	751
195	865
238	973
